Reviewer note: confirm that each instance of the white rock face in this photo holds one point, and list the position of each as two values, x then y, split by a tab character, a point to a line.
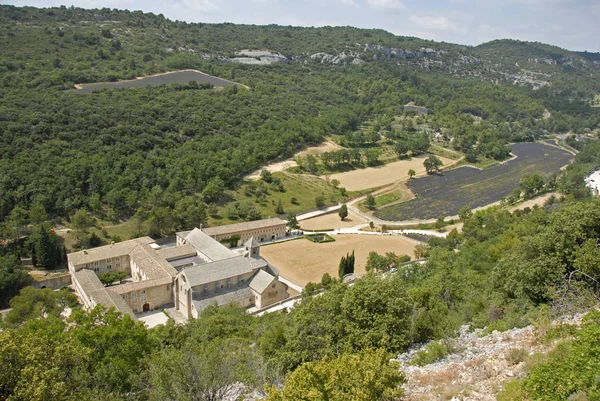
258	57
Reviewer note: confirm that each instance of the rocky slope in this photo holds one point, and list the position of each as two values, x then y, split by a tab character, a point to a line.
479	365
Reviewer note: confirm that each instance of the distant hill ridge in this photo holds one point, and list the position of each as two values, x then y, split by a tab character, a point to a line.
34	33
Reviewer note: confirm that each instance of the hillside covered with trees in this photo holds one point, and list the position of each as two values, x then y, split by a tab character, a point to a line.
166	156
117	152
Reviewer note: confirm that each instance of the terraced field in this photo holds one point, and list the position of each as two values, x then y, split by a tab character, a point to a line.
445	194
180	77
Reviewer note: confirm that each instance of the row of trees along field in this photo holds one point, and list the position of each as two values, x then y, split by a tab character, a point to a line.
505	270
110	152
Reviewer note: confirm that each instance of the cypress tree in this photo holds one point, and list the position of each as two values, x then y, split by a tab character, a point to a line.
33	256
350	266
342	267
279	209
346	265
45	250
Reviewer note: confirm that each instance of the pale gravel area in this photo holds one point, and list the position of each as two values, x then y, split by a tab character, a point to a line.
332	221
386	174
538	200
153	318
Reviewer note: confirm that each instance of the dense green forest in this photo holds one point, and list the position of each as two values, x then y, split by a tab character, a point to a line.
125	151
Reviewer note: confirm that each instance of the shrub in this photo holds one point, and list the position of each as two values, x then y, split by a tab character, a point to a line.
516	355
95	240
110	277
432	352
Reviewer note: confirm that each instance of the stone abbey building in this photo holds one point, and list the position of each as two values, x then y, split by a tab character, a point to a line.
197	272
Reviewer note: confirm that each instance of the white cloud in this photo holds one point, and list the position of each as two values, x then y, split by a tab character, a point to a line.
387	4
436	23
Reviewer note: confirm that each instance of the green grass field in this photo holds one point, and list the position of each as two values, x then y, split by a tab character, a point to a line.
384	199
124	230
482	161
304	188
443	152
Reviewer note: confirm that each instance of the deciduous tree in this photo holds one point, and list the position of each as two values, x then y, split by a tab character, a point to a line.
370	202
367	376
343	212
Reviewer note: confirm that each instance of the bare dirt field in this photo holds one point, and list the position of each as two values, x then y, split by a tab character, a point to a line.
331	221
382	175
283	165
302	261
322	148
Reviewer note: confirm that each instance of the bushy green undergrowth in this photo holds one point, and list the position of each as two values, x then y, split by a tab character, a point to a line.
570	372
433	352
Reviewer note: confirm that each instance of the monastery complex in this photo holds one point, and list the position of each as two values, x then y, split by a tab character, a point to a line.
192	274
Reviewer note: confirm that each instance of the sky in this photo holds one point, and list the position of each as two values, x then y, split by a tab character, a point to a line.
571	24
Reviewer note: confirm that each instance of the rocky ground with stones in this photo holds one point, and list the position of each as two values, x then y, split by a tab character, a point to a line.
478	365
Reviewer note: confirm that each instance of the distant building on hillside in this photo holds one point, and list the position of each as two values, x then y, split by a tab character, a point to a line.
593	182
197	272
412	107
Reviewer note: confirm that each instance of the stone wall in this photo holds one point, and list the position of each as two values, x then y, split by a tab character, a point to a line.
53	283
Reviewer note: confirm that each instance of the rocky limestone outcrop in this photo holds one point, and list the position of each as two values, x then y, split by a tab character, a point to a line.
478	366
